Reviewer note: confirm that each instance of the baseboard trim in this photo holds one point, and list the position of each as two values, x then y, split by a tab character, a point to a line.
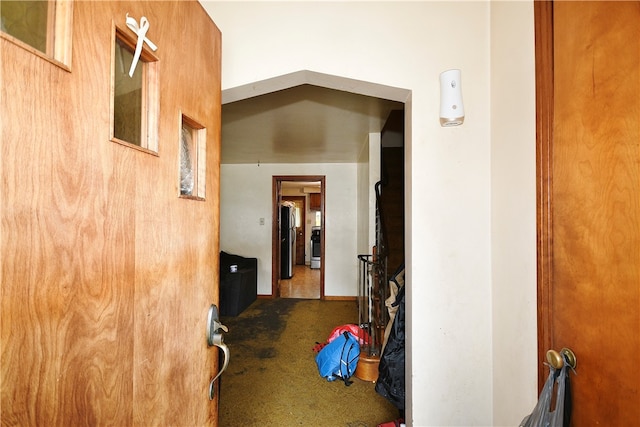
326	297
339	298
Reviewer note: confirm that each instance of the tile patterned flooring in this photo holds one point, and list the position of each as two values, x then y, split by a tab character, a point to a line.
305	283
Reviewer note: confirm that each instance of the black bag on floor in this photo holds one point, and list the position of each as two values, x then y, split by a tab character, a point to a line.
391	383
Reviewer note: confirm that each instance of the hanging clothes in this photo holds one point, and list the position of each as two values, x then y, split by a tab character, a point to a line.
391	380
395	283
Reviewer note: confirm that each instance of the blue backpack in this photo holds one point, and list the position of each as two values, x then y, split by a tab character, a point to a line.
339	358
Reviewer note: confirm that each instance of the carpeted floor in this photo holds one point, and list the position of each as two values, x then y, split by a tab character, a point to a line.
272	378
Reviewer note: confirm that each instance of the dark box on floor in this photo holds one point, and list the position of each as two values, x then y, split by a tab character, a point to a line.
238	288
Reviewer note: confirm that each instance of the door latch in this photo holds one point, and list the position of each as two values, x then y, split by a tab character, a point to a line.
215	338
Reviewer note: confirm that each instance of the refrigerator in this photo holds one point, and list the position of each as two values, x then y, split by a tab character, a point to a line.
287	241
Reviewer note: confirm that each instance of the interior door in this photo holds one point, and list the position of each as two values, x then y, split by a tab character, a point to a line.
588	59
107	271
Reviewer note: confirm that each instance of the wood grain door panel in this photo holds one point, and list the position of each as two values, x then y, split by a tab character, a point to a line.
107	274
590	294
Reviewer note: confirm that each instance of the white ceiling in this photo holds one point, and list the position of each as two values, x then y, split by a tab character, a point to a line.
303	117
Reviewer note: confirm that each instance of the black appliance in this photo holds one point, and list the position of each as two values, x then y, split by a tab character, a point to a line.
315	246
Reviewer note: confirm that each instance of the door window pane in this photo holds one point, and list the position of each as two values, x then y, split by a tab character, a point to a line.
135	99
41	26
193	154
127	103
186	160
27	21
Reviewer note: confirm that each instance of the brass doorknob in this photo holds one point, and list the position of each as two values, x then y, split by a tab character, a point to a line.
557	359
554	359
570	357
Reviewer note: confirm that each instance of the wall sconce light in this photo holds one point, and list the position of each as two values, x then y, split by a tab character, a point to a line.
451	108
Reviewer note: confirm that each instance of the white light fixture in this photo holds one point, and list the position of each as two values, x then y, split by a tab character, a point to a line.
451	108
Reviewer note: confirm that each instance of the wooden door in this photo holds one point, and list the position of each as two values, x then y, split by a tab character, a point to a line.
588	59
107	272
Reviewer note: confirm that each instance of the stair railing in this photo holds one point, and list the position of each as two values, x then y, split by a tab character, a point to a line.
373	289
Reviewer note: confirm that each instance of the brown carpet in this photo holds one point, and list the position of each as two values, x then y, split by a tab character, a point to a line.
272	378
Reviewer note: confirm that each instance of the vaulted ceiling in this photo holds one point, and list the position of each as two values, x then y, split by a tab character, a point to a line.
303	117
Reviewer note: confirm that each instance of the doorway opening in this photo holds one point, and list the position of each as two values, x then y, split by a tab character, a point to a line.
297	269
270	122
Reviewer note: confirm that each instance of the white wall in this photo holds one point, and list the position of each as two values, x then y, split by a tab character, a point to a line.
462	277
375	172
246	196
513	208
368	175
362	205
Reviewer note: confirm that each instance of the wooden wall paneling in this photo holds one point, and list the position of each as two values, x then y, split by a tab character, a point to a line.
392	206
